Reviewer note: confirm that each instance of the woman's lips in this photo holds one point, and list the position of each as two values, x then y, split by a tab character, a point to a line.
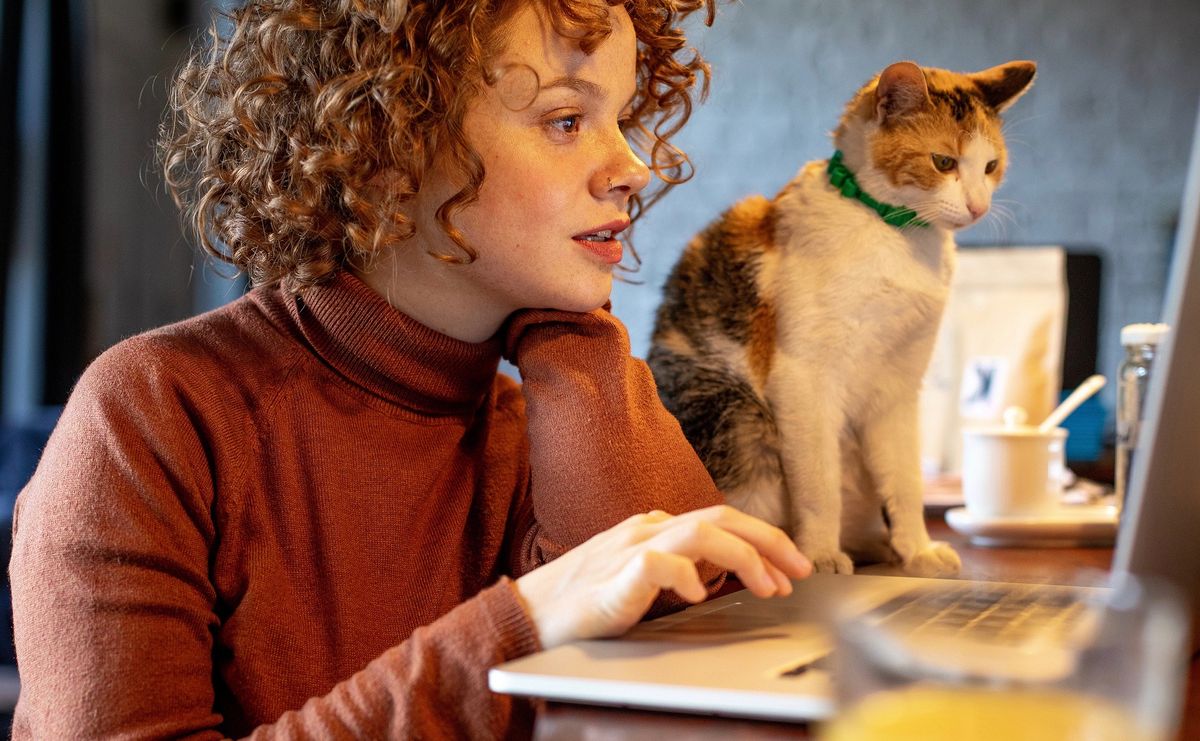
604	244
609	250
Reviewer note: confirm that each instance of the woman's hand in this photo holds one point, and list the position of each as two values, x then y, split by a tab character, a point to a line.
605	585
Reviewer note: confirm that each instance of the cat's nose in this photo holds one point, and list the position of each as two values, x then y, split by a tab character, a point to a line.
976	211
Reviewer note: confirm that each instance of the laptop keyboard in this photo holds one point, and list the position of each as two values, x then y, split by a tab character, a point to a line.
999	615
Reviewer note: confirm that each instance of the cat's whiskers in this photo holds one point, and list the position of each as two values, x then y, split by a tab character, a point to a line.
1009	124
1008	207
927	210
1002	210
996	226
921	206
1007	127
998	218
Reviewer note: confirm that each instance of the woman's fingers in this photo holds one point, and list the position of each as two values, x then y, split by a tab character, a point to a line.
645	518
701	540
781	579
762	555
669	571
640	527
770	541
605	585
635	587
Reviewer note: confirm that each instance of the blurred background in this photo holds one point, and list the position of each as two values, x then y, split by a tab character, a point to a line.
91	249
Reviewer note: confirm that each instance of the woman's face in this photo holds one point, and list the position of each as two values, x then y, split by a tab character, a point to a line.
555	171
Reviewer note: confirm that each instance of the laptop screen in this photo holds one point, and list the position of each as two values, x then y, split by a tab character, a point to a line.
1160	527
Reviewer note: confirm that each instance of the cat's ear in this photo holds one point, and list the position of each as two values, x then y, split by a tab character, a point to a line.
1002	85
901	89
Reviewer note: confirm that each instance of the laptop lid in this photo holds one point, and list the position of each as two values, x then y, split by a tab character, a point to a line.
1161	522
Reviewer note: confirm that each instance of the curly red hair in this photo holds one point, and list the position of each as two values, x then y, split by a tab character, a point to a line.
279	132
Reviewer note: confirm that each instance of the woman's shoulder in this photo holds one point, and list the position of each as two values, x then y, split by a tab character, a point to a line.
235	346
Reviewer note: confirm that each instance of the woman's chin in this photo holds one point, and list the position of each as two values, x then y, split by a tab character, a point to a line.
587	298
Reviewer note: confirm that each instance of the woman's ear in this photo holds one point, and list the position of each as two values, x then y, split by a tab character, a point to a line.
1002	85
901	90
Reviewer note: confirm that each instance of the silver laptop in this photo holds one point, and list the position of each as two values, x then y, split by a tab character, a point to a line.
744	656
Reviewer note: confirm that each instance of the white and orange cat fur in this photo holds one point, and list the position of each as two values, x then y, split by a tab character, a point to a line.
794	332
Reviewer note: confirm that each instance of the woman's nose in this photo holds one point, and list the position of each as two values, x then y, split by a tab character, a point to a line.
624	173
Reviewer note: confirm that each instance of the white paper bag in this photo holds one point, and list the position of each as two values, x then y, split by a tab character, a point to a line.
1000	345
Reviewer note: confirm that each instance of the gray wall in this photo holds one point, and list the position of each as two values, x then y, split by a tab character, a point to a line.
142	270
1098	146
139	264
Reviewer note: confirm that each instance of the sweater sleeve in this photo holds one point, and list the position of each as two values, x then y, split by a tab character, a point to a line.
602	446
114	609
433	685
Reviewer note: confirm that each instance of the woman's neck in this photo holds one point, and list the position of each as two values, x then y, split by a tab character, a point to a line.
430	291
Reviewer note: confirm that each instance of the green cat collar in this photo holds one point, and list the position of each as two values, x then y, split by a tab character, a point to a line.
841	178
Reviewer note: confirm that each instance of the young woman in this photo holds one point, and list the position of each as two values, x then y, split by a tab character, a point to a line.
319	511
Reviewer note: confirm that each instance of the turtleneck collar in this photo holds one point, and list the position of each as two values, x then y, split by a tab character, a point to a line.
387	353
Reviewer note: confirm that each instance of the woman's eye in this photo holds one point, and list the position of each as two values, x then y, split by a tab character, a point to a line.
567	124
944	163
991	166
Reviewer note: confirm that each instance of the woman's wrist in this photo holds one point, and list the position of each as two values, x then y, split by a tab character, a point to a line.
530	595
541	324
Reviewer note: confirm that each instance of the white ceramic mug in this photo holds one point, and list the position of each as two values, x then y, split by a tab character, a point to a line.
1012	470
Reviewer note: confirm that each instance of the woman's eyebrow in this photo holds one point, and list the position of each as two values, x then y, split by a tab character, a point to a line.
583	87
578	84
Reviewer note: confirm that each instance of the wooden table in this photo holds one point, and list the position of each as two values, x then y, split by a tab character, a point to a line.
1076	566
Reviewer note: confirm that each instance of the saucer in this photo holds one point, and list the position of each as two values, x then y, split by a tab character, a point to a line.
1069	526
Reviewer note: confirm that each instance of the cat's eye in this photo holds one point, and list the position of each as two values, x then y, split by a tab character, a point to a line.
990	167
944	163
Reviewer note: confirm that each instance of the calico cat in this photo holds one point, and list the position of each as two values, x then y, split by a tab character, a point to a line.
794	332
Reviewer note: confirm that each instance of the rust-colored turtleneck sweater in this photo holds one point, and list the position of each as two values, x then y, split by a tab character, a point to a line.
297	517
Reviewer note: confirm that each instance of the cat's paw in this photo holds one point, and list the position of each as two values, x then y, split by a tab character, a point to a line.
936	559
831	562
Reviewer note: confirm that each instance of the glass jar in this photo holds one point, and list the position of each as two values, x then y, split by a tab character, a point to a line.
1133	378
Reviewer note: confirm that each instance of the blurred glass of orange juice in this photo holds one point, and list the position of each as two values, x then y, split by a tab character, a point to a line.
927	712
